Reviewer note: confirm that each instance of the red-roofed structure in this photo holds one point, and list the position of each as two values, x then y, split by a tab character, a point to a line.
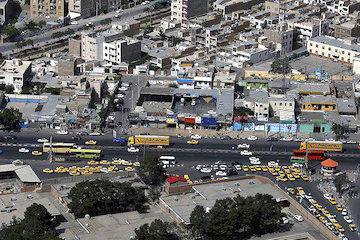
176	185
175	179
329	163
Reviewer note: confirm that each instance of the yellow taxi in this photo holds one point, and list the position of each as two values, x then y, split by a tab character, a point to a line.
253	168
129	169
264	169
258	168
339	208
305	178
193	142
274	173
104	162
74	173
90	142
136	164
291	190
333	201
47	170
36	153
322	219
245	168
352	227
92	162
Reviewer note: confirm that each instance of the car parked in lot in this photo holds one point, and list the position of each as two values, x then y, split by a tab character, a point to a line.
252	138
24	150
196	137
243	145
42	140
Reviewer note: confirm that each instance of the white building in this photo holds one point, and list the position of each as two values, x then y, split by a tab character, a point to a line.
283	107
125	50
335	49
310	29
15	72
183	10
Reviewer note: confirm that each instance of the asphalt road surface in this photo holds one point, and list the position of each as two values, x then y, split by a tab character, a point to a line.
128	13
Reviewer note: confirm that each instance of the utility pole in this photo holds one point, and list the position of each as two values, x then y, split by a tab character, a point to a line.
306	156
50	157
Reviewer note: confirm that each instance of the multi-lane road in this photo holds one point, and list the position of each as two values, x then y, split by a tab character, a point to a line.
208	151
41	39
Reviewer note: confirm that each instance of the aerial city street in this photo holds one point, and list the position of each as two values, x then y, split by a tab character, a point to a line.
179	119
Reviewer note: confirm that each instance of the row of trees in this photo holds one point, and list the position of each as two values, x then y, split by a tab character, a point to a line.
237	218
37	224
101	197
157	230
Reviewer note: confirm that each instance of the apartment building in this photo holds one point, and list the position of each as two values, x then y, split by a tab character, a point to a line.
343	7
125	50
54	9
282	36
347	29
92	43
310	29
15	72
226	7
6	10
183	10
333	48
88	8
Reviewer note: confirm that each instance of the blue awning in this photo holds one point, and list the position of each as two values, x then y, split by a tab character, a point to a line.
184	80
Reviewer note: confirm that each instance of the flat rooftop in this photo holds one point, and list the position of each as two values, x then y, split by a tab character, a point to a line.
207	194
18	203
119	226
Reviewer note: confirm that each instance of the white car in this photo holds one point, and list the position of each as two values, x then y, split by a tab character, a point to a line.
297	165
273	164
196	137
254	159
94	134
287	139
327	196
62	132
238	167
74	23
344	212
205	170
243	145
24	150
119	11
348	219
42	140
222	167
310	139
221	173
255	162
123	89
351	142
198	167
298	218
252	138
246	153
133	149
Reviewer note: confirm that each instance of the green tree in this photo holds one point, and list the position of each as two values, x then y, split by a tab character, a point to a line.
93	99
281	66
37	224
237	218
10	118
31	25
151	171
198	220
100	197
11	31
157	230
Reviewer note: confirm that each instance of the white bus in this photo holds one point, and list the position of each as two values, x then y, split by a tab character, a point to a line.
167	161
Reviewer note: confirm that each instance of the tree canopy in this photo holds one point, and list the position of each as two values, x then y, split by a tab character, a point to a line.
157	230
237	218
10	118
281	66
101	197
37	224
151	171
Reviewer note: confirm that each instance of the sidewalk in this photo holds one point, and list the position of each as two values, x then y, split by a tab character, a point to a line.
207	133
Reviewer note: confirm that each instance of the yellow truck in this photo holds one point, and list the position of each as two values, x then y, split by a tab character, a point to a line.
328	146
148	140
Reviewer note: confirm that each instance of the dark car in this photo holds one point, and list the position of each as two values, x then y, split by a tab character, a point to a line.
272	139
122	141
10	137
76	138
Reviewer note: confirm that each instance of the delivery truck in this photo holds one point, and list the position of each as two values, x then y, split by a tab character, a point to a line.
148	140
327	146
